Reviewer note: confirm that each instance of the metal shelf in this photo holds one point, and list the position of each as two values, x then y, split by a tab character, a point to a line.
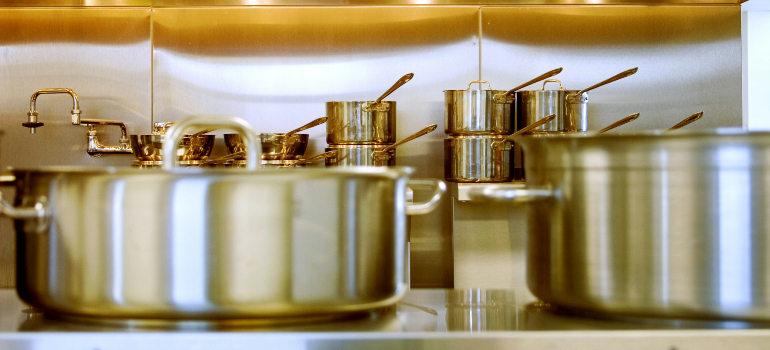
460	191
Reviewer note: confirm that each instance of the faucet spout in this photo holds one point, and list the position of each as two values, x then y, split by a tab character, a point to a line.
32	122
95	147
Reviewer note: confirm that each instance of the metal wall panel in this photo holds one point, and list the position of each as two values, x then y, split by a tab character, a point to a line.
689	58
102	54
276	67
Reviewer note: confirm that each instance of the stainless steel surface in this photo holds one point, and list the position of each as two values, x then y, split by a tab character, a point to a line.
473	159
477	111
687	121
495	319
360	155
657	224
274	146
399	83
149	148
354	123
673	77
289	61
192	244
257	62
103	54
145	3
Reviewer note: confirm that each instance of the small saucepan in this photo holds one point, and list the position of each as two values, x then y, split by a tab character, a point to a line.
370	155
363	122
569	106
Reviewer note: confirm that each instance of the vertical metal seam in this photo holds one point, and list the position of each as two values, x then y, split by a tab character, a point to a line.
152	67
480	38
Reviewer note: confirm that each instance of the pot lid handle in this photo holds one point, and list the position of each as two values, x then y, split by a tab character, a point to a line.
174	135
489	86
552	81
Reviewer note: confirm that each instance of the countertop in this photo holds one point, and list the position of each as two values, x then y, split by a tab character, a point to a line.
425	318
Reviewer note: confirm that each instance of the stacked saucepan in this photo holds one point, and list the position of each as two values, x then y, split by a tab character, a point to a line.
363	133
479	124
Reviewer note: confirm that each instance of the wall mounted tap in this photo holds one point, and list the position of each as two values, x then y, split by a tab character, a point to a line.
32	122
94	146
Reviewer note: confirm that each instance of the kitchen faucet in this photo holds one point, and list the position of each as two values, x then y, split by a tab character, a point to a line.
95	147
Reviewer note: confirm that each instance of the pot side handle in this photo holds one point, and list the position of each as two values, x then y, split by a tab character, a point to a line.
513	193
38	215
439	188
174	135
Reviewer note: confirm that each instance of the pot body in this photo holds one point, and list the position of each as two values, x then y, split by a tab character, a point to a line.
474	159
274	146
360	155
360	122
149	148
664	225
197	244
571	111
478	112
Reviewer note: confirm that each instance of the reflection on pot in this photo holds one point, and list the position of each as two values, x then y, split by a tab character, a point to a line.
479	310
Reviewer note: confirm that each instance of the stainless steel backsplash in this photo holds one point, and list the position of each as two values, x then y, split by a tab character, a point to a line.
276	66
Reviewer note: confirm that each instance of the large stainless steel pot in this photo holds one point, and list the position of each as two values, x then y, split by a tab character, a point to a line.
651	224
569	106
211	244
483	112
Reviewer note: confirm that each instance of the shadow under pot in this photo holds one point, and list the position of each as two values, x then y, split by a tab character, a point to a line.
360	122
149	148
274	146
480	159
361	155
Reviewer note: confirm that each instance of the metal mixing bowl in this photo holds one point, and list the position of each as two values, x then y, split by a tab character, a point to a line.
274	146
149	147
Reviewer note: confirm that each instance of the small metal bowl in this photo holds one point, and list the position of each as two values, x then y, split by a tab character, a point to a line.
274	146
149	148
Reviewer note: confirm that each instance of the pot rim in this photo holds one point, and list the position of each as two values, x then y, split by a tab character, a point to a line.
393	171
656	134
